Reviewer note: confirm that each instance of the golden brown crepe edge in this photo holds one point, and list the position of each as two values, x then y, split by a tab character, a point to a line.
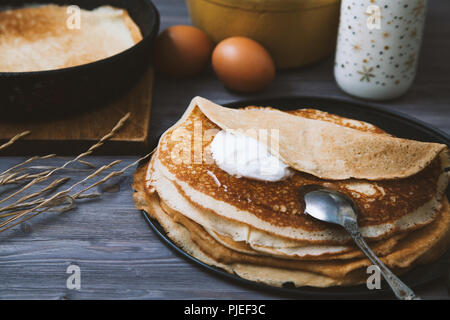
384	165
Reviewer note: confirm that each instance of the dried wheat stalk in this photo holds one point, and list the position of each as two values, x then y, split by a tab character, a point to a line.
60	201
26	162
30	204
56	198
88	152
11	176
55	184
14	139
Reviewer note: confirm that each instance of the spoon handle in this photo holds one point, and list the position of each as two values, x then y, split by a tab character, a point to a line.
400	289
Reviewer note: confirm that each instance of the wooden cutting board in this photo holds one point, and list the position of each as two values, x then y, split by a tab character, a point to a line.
76	133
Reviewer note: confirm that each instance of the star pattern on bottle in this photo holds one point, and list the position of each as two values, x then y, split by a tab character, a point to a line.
366	74
417	10
356	47
410	62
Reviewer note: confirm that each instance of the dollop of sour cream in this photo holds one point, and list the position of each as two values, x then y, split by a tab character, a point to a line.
243	156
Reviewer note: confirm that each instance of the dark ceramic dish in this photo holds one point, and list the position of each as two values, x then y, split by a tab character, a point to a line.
393	122
72	89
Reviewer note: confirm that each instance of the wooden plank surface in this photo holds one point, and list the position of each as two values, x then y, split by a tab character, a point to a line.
119	256
77	132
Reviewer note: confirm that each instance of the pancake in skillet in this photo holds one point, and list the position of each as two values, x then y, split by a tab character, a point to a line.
37	38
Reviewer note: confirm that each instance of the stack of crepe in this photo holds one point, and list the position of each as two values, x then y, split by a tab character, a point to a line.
258	229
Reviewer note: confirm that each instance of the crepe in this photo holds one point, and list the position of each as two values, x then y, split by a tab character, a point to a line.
386	207
299	252
325	149
422	246
259	230
258	240
38	38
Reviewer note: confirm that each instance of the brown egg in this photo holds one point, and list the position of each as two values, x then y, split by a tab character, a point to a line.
243	64
182	51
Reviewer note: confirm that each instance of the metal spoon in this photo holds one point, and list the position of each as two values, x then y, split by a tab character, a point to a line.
332	206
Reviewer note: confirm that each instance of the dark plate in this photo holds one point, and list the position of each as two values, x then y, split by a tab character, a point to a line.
46	93
393	122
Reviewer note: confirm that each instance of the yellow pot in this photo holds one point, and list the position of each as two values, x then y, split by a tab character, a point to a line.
296	32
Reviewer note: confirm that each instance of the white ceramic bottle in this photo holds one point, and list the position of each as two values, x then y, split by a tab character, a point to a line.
378	46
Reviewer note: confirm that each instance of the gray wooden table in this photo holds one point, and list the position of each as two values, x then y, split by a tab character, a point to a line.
119	256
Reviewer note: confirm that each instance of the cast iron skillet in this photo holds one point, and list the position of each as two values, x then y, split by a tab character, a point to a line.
44	93
393	122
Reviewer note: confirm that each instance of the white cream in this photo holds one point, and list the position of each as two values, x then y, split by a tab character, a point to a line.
243	156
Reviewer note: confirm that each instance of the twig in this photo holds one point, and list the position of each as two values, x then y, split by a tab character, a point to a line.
61	201
88	152
57	195
13	179
20	206
40	200
14	139
26	162
111	175
51	186
25	219
88	164
47	203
